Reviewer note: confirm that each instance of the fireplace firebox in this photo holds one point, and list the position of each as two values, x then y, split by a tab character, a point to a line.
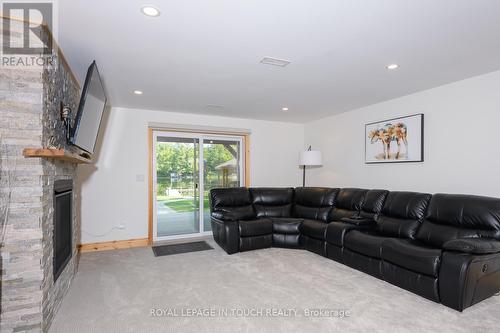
63	217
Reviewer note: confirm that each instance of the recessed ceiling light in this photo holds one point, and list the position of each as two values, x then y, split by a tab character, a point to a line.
275	61
284	109
149	10
138	92
392	66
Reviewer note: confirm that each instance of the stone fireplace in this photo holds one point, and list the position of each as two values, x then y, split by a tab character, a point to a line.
34	278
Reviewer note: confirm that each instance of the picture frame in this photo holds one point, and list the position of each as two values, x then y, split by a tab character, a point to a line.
395	140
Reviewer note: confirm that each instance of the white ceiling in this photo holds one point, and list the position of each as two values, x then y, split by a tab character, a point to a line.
207	52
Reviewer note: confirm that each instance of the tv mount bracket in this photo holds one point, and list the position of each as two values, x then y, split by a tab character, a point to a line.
65	112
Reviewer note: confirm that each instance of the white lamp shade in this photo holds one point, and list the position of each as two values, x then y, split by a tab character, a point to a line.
310	157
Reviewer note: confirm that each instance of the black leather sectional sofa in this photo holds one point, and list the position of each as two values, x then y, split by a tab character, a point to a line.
443	247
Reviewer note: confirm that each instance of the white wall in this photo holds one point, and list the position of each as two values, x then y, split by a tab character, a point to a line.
462	142
462	154
111	193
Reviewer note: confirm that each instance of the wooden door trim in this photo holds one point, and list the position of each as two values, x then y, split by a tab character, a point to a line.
150	186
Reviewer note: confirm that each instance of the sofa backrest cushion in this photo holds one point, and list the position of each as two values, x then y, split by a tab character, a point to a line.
272	202
314	203
402	214
233	202
373	203
452	216
348	203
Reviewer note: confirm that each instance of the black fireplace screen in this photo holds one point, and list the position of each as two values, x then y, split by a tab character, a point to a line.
63	217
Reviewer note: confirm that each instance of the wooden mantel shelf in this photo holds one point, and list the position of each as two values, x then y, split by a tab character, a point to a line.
57	154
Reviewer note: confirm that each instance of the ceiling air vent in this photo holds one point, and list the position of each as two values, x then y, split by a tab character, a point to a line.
274	61
214	107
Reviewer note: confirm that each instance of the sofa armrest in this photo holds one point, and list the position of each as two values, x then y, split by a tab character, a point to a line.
359	221
227	234
473	245
466	279
223	216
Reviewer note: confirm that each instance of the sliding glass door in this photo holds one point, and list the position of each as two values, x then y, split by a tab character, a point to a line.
185	167
177	185
222	165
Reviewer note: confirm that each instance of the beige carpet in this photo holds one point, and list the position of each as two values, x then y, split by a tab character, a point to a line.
271	290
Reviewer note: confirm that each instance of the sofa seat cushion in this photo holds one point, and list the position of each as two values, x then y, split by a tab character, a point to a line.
255	227
290	241
412	255
314	245
336	232
418	283
256	242
287	226
359	221
314	228
369	244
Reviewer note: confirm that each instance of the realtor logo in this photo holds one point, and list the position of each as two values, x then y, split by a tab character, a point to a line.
29	29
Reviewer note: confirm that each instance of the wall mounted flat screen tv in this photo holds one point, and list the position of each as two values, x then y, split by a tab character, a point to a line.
88	119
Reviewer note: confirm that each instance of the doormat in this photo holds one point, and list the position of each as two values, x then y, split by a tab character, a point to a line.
166	250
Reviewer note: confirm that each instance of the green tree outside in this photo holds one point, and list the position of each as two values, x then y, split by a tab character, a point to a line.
177	168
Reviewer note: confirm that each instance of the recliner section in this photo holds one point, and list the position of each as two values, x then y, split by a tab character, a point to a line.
255	234
467	228
314	203
275	205
313	234
443	247
399	218
365	209
272	202
402	214
314	206
348	203
227	207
